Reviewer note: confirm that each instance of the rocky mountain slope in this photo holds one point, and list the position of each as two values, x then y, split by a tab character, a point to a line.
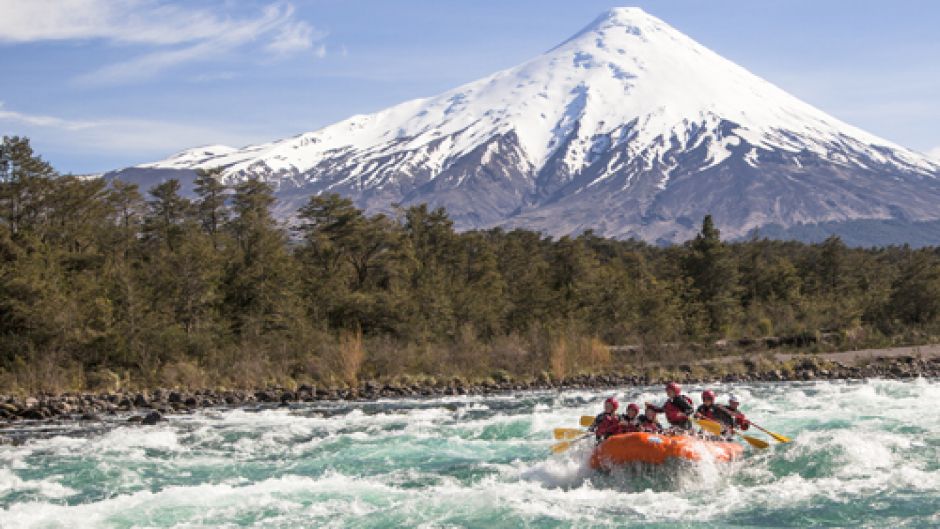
629	128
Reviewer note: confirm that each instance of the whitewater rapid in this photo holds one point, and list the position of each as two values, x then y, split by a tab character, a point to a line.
865	454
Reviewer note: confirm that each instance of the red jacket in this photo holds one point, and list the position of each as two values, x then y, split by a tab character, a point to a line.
732	418
678	409
605	425
740	421
628	425
647	425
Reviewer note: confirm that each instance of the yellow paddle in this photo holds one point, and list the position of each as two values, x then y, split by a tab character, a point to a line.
714	428
708	425
754	441
777	437
587	420
567	433
558	448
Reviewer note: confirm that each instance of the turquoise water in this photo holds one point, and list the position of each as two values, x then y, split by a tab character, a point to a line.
864	454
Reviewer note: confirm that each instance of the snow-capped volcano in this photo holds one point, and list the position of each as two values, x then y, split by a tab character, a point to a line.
629	128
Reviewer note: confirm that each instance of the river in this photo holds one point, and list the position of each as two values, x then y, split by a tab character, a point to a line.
864	454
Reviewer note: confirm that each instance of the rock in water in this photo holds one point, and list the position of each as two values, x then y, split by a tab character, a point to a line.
152	418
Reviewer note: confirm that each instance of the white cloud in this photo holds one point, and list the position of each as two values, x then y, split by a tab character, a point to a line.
293	37
934	153
179	34
211	77
321	51
42	121
136	21
141	136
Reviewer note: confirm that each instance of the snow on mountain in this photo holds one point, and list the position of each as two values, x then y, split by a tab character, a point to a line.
629	128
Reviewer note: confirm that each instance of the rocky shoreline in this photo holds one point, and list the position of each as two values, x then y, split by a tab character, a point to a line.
150	407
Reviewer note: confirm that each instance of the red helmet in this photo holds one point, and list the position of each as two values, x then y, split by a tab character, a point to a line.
633	406
651	408
674	387
613	401
708	395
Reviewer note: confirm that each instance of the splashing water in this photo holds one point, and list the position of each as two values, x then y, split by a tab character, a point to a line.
864	454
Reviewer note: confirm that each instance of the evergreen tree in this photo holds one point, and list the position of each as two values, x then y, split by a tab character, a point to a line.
916	292
433	246
259	285
353	261
713	275
167	212
211	210
24	179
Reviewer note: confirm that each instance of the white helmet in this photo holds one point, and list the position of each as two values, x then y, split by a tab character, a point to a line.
733	399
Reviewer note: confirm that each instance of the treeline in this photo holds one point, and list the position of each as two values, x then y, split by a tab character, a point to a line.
105	284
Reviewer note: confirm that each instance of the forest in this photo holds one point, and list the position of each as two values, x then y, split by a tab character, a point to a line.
105	285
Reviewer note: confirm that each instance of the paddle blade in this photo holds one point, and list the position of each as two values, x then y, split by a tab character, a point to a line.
587	420
779	438
711	427
564	445
755	442
567	433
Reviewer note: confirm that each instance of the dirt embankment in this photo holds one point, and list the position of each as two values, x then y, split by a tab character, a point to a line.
150	407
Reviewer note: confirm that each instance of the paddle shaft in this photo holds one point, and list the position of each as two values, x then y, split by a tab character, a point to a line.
777	437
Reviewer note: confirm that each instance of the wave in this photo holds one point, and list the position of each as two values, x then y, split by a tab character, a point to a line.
863	453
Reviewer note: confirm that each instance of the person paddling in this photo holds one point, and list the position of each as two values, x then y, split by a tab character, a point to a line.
707	409
678	407
730	415
648	422
607	423
630	421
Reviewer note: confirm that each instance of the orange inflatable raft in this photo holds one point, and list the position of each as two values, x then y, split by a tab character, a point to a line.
657	448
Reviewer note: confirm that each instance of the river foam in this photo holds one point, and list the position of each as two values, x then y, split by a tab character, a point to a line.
864	454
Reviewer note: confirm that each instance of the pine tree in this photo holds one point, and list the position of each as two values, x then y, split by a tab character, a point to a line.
167	212
916	292
211	210
260	290
713	274
24	179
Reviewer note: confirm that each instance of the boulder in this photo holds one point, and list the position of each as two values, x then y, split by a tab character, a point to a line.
32	414
152	418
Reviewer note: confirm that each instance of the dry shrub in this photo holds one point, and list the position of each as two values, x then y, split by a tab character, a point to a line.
350	356
595	352
102	379
240	366
43	373
558	357
468	355
183	374
513	354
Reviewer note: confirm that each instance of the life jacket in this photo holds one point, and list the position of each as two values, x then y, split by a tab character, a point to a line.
648	425
707	411
740	421
731	418
678	410
606	424
628	425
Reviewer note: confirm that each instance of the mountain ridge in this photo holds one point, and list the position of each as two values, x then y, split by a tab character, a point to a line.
629	128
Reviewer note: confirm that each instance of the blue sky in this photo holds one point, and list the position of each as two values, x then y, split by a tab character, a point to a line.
99	84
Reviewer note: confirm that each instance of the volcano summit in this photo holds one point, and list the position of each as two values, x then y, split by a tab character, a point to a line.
629	128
